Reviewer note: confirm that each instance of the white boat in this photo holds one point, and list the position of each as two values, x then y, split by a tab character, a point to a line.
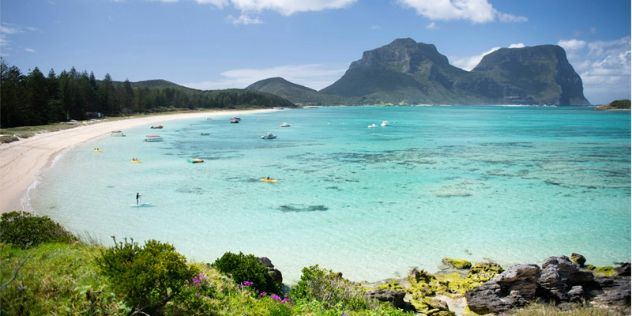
153	138
285	125
385	123
117	133
268	136
235	119
372	126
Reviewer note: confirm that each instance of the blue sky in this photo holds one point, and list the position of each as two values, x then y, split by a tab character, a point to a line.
217	44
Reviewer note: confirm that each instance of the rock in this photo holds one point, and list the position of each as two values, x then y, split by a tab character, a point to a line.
579	259
457	263
510	289
623	269
610	291
434	303
559	275
396	298
276	275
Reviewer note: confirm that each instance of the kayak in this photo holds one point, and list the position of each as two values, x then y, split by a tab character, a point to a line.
268	180
195	160
135	161
97	150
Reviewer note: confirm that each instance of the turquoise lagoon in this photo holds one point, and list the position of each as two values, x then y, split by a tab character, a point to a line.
507	184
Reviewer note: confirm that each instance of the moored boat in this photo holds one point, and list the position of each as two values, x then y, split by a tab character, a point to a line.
157	127
195	160
153	138
385	123
235	119
285	125
268	136
117	133
372	126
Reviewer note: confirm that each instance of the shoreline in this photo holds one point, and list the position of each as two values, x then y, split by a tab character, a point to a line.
21	161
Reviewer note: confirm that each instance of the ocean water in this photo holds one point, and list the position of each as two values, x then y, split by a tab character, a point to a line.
507	184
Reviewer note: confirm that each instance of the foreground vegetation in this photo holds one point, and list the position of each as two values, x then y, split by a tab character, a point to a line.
47	271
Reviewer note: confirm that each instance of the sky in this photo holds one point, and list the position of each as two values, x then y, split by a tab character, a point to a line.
219	44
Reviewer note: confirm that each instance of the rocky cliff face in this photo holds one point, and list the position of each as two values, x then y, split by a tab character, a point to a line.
407	72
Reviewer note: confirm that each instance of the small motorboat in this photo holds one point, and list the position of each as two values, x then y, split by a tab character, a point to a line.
153	138
235	119
117	133
268	136
195	160
157	127
285	125
385	123
372	126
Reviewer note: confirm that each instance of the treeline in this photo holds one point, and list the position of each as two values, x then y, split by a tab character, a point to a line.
37	99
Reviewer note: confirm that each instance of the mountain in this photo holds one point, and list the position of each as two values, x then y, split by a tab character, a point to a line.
296	93
407	72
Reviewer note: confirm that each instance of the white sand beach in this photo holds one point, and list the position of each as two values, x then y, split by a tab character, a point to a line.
21	161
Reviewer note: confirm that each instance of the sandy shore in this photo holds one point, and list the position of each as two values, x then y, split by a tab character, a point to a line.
21	161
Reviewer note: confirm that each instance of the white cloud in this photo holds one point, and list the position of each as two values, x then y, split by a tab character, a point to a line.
469	62
243	20
431	26
315	76
477	11
285	7
571	44
30	50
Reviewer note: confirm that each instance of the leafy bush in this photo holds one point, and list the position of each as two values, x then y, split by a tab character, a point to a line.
247	268
21	228
620	104
331	290
148	277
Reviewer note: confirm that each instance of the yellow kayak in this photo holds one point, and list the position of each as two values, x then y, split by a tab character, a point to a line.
268	180
136	161
97	150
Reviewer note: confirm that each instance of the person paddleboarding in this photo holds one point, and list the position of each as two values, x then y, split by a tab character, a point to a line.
137	198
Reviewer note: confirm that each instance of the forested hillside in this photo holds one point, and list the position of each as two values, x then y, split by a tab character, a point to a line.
36	99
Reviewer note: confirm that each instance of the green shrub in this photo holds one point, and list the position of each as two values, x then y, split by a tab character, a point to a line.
244	268
331	290
148	277
21	228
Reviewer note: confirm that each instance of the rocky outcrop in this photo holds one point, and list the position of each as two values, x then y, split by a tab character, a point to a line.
579	259
560	280
276	275
513	288
396	298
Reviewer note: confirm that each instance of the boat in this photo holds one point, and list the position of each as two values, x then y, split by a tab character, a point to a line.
235	119
157	127
117	133
269	180
205	134
285	125
372	126
268	136
134	160
195	160
385	123
153	138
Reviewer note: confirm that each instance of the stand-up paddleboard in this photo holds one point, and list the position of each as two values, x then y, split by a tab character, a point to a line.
141	205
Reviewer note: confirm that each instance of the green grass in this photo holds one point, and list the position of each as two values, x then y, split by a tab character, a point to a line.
569	310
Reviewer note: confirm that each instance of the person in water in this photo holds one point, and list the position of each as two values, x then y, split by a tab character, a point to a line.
137	197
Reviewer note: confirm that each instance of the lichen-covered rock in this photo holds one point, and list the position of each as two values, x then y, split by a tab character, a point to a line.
484	271
431	306
511	289
435	303
457	263
579	259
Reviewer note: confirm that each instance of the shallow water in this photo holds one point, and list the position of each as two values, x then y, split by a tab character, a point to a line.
508	184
